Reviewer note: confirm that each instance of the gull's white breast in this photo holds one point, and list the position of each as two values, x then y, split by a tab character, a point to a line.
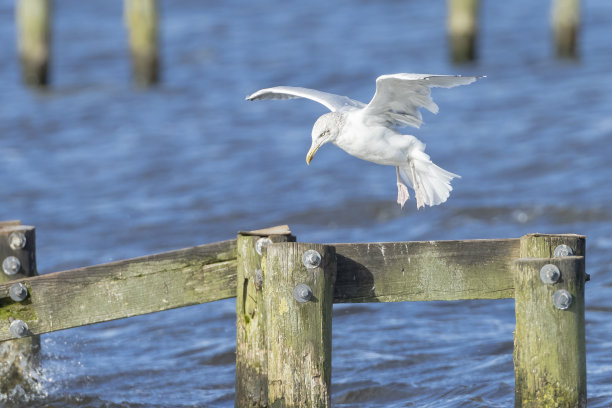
378	144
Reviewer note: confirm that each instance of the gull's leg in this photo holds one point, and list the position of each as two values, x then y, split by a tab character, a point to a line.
402	190
418	193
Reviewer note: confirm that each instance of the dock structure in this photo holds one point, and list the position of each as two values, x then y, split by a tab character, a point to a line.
285	290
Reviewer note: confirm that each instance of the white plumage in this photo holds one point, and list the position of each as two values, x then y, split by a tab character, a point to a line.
370	132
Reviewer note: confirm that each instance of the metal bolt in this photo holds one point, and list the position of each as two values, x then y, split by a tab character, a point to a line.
302	293
562	299
563	250
17	240
258	279
11	265
261	244
550	274
311	259
19	328
18	292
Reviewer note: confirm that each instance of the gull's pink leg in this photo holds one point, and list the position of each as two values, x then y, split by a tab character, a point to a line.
418	193
402	190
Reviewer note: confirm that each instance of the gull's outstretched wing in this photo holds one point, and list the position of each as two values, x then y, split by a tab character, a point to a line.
398	97
331	101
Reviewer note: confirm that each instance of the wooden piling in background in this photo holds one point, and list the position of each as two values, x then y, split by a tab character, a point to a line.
20	358
33	32
462	27
299	331
566	26
141	21
549	342
251	346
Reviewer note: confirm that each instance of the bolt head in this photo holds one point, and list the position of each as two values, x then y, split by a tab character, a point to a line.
19	328
550	274
563	250
261	243
18	292
302	293
311	259
562	299
17	240
11	265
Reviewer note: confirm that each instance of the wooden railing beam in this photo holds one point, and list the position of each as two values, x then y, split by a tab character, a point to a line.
116	290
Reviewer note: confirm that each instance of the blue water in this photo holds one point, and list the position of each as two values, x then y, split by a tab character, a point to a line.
106	171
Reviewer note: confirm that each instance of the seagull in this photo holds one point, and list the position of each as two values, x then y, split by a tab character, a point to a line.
371	132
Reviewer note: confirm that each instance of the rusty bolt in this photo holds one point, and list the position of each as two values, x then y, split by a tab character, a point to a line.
302	293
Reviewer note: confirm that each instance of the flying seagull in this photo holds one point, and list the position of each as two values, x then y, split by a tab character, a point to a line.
370	132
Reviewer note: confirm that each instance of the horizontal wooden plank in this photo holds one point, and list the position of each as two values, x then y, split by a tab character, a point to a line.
121	289
428	270
374	272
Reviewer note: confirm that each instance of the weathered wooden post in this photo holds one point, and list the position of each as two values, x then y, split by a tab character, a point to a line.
33	29
251	347
298	294
549	342
141	21
566	25
462	26
19	358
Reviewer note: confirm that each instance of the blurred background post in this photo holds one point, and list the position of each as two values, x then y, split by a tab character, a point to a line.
462	26
566	27
33	32
141	21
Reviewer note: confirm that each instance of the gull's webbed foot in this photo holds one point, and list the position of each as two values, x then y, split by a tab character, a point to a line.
402	194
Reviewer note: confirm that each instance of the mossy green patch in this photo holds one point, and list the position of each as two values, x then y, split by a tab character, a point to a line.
17	310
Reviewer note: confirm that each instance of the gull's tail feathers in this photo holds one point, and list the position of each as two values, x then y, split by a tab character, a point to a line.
431	184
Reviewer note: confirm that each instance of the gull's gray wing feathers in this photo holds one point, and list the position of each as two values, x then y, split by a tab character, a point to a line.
331	101
398	97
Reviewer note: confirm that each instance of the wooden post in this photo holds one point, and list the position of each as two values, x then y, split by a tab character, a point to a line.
33	28
462	26
566	25
549	342
298	324
251	352
141	21
20	358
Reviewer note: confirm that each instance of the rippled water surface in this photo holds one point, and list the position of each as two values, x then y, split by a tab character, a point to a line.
106	172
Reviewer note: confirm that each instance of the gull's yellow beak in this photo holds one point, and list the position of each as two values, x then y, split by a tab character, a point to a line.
311	152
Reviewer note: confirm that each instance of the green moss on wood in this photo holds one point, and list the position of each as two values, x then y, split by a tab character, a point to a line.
549	352
17	310
128	288
299	334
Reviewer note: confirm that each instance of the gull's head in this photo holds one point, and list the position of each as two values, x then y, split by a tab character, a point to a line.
325	129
